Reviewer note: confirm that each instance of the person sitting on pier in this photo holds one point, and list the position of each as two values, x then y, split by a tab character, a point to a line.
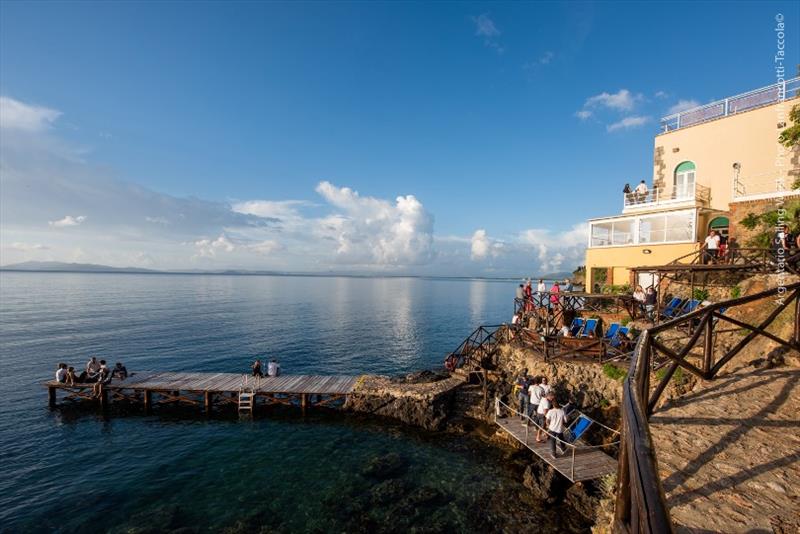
92	367
103	378
61	373
71	377
273	368
120	371
256	367
556	424
541	413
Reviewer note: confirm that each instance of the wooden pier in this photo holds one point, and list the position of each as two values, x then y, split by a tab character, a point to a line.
208	390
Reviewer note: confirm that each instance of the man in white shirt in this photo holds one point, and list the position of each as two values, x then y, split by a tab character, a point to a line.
273	368
535	394
92	366
541	288
711	246
61	373
640	193
541	413
556	424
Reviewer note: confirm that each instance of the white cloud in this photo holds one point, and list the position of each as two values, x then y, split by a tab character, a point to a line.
68	220
661	94
208	248
16	115
683	105
583	114
482	246
547	57
627	123
28	247
622	100
555	249
157	220
486	28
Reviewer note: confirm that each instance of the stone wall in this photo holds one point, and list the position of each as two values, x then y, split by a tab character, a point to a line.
740	210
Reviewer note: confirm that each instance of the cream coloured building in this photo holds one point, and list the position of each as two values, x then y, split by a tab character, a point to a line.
707	161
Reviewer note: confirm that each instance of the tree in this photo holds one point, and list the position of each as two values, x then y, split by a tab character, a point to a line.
790	137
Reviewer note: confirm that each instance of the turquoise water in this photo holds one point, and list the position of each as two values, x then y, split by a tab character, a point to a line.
72	470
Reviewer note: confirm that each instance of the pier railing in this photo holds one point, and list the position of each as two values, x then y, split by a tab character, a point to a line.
641	505
477	350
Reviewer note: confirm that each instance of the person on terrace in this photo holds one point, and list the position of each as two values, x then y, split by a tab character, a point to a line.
639	297
650	301
640	193
554	291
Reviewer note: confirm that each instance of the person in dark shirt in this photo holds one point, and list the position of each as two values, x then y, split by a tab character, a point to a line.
650	301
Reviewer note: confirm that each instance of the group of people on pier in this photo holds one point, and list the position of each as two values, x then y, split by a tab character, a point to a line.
273	368
540	298
538	403
96	373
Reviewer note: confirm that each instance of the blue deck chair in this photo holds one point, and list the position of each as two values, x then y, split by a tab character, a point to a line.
575	327
616	341
589	328
577	429
689	307
612	331
672	307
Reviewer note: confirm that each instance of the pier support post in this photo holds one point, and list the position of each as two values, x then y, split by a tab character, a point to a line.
303	402
103	397
208	401
51	393
148	401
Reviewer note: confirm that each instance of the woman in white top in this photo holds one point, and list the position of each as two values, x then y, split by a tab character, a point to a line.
545	386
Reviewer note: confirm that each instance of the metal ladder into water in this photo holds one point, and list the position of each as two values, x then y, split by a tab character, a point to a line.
247	394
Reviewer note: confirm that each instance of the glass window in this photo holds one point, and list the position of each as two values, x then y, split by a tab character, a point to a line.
679	226
651	229
623	232
601	234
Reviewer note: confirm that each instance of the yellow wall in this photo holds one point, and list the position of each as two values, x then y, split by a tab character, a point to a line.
749	138
621	259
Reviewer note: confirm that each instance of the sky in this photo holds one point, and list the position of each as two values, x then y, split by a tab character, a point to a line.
438	138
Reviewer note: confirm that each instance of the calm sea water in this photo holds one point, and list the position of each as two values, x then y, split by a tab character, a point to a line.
72	470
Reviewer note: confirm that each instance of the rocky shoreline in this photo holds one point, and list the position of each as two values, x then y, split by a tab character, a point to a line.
441	402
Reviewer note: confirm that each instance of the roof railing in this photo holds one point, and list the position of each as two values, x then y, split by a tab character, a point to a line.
757	98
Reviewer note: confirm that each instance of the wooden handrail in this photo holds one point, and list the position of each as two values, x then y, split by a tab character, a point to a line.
641	504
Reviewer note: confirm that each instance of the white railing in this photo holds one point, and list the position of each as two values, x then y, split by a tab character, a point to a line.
732	105
670	194
765	185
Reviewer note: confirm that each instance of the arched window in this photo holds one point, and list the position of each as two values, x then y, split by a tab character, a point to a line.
684	180
720	224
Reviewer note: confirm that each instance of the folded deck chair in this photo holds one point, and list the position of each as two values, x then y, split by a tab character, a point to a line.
577	429
616	341
589	328
575	327
689	307
672	307
612	331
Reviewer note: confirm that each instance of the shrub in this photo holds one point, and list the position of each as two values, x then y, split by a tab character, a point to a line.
613	372
736	292
677	376
700	294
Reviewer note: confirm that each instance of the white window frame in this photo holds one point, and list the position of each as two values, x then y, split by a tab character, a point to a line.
637	223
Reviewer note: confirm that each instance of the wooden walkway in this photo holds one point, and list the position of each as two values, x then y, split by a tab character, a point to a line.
210	389
586	464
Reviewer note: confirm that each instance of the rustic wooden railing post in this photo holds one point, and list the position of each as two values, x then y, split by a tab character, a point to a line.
797	316
708	346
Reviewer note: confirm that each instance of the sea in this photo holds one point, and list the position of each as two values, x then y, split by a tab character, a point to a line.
75	469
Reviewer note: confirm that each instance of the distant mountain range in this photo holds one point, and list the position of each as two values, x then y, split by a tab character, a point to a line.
61	267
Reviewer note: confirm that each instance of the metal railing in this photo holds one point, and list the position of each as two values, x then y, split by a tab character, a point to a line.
528	420
669	194
641	504
757	98
764	185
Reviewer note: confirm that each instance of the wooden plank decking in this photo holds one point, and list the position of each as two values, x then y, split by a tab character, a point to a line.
589	463
228	383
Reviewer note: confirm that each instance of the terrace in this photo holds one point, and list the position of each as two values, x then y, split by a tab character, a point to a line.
678	195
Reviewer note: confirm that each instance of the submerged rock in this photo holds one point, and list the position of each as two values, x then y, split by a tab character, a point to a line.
386	466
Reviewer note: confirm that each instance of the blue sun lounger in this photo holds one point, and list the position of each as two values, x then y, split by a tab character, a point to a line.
616	341
577	429
612	331
688	308
673	306
575	327
589	328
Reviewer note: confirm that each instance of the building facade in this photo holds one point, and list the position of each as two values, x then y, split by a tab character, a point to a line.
711	165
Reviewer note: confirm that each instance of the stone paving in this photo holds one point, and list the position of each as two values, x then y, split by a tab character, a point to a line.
729	452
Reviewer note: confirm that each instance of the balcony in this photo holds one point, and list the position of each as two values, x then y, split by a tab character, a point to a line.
764	186
731	105
671	196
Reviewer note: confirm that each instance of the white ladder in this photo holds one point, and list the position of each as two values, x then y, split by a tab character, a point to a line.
247	395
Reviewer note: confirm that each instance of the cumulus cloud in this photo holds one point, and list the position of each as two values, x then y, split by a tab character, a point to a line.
547	57
482	246
28	247
583	114
208	248
683	105
68	220
622	100
627	123
661	94
16	115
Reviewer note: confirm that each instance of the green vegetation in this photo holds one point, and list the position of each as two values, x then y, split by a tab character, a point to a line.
604	403
616	289
764	224
613	372
736	292
700	294
790	137
625	321
677	377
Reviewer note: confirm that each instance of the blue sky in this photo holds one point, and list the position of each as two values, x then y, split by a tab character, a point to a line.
255	123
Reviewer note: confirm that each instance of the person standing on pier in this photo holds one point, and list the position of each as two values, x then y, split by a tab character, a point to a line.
541	289
535	394
556	424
